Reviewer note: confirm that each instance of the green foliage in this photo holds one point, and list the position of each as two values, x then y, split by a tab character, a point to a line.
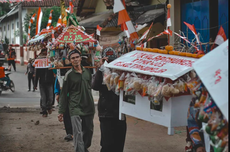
4	8
45	18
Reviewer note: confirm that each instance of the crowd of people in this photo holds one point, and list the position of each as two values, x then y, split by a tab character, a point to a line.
76	104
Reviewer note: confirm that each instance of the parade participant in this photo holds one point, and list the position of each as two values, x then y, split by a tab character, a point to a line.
46	84
30	72
11	55
113	130
66	116
77	83
3	76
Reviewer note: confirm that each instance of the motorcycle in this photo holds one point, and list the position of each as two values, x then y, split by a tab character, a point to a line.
3	84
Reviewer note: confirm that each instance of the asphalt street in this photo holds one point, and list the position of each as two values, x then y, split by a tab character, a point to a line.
21	97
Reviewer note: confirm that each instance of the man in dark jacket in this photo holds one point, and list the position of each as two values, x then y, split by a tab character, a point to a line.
113	130
46	79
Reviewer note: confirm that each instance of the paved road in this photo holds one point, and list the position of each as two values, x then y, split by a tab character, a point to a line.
21	97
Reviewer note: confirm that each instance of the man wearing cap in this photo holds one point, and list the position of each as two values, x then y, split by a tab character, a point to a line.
77	83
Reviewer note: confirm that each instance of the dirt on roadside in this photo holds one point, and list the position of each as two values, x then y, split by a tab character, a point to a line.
20	131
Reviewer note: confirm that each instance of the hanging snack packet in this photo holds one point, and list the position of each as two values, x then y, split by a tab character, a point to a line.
121	81
158	89
114	80
117	91
152	87
144	88
127	81
137	84
166	91
174	90
194	84
107	77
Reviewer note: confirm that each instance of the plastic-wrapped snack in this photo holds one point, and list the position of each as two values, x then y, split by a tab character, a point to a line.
174	90
166	91
129	90
117	91
152	86
193	84
192	74
121	81
214	121
116	79
144	88
158	90
107	77
137	84
127	81
203	117
113	83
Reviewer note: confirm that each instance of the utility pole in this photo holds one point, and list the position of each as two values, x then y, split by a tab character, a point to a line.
21	34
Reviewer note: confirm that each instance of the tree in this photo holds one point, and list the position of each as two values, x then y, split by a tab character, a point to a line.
45	18
4	8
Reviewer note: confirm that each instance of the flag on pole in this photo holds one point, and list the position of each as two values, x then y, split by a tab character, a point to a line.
30	23
53	38
49	21
39	20
59	21
168	31
221	37
168	19
71	7
123	18
192	28
99	30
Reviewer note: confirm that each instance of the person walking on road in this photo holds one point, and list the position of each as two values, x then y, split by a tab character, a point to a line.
11	55
30	74
46	86
77	83
113	130
66	116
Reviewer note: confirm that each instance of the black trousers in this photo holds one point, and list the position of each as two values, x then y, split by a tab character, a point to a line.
13	63
113	133
30	78
67	122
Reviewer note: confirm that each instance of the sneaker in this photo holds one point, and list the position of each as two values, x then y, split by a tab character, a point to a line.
28	90
69	137
33	90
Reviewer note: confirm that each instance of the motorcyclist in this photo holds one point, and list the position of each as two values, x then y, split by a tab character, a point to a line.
3	77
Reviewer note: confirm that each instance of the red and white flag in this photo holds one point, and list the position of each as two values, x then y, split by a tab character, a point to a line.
125	29
59	21
221	37
123	18
168	19
39	20
192	28
53	37
71	7
168	31
146	33
49	21
99	30
30	23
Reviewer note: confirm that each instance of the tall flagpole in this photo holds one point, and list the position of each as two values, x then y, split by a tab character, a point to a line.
21	34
